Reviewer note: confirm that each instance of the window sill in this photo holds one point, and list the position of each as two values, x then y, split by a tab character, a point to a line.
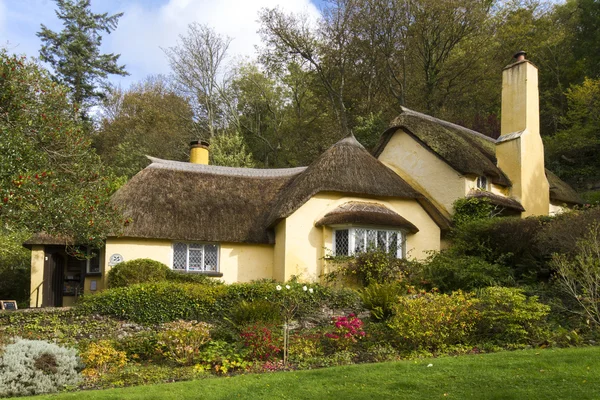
210	274
93	274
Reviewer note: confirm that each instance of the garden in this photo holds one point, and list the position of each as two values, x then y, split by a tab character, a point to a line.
503	284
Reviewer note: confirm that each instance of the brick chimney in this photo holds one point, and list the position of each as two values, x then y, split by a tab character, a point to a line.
199	152
519	149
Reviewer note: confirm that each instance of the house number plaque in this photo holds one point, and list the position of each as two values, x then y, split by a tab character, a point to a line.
115	259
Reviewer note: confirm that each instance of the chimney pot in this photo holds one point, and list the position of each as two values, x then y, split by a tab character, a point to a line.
520	55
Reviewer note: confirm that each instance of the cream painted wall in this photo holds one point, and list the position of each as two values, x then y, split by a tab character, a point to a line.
245	262
37	275
279	252
522	157
424	171
305	258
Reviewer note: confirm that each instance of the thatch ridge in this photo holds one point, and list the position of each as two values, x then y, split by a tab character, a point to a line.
560	191
226	171
465	150
365	213
346	167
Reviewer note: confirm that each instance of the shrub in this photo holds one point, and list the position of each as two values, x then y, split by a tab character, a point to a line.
191	278
448	272
101	358
471	209
370	267
255	311
142	346
305	348
579	276
261	343
346	331
379	299
154	303
141	270
222	358
510	318
181	341
434	322
29	367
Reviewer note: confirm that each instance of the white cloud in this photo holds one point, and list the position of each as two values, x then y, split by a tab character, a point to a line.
142	31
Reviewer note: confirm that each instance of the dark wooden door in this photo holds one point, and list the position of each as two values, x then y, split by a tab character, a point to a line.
54	267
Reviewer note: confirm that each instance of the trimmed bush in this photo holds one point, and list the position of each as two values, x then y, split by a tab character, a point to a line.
511	319
29	367
154	303
368	268
141	270
434	322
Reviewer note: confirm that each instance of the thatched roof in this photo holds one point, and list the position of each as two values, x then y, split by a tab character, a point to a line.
346	167
356	212
46	239
560	191
497	199
465	150
183	201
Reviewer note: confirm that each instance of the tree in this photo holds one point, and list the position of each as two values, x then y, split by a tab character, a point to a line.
230	151
149	118
51	180
74	53
198	66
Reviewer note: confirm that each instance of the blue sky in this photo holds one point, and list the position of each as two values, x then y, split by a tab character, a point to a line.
146	26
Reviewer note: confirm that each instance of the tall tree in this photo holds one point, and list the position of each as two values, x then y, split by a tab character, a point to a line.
74	53
149	118
198	66
51	180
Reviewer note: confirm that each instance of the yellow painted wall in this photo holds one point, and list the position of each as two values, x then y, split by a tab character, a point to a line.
279	252
305	258
423	170
238	262
522	157
132	248
245	262
37	274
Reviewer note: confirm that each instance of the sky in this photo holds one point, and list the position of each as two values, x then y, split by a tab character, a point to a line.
146	27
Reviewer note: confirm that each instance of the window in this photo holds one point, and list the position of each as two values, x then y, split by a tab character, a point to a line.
351	241
482	183
92	263
195	257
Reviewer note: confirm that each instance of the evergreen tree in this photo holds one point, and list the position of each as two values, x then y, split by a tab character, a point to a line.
74	53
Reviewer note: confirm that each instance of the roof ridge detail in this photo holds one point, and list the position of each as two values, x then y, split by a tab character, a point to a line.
405	110
225	171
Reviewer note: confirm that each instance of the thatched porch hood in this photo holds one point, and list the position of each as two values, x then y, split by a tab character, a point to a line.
183	201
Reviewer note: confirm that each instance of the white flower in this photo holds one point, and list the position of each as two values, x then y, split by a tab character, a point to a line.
287	286
278	287
304	288
310	290
430	365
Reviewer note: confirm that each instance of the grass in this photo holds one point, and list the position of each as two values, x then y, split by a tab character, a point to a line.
529	374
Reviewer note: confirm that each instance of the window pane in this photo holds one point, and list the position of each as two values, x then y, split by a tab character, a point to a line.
93	264
371	239
393	246
179	256
382	241
210	257
341	242
359	240
195	260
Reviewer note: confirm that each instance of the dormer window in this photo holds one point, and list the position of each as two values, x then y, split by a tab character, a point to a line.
355	240
482	183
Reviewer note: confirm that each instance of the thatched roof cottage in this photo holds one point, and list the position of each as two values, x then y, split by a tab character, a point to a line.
241	224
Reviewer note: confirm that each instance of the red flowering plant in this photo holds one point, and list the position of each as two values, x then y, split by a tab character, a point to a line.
346	331
262	344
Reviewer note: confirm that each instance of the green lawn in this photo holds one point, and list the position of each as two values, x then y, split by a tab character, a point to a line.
530	374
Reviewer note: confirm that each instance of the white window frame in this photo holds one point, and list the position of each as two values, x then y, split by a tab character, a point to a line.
400	253
187	258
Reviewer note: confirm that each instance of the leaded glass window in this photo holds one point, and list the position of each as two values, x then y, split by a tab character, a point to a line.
195	257
353	241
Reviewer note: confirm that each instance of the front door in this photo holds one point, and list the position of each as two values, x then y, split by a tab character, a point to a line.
54	268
